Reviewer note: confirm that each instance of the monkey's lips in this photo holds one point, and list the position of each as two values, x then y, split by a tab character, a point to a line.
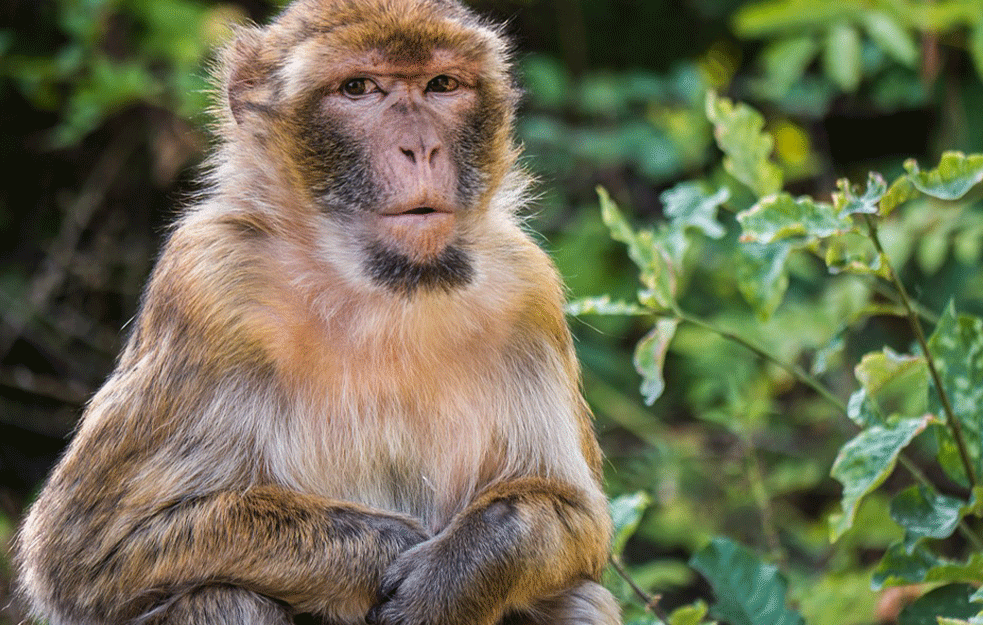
422	232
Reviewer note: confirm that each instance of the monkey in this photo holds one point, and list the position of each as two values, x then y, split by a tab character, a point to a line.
349	393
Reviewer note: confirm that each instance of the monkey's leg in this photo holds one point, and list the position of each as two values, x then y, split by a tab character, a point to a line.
216	605
518	543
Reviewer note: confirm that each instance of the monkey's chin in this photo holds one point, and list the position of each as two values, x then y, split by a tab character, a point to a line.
421	235
450	270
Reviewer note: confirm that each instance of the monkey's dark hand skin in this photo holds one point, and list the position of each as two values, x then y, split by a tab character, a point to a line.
350	391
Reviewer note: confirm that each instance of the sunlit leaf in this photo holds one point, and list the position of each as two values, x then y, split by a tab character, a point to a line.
852	252
650	356
748	592
688	205
976	47
841	56
878	371
900	191
891	37
926	514
761	276
957	348
846	202
626	514
862	410
655	269
952	179
759	19
969	571
689	614
950	601
738	129
865	462
781	216
603	305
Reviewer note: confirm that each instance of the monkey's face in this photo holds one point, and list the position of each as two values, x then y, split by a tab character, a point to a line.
398	118
391	147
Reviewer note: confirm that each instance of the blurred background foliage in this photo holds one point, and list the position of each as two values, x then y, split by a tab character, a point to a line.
104	118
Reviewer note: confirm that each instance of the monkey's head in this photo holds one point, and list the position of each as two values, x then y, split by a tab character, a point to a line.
392	119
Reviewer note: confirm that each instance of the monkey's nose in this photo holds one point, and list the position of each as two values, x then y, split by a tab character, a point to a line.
424	154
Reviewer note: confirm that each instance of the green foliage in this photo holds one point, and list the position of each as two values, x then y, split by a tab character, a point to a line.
926	399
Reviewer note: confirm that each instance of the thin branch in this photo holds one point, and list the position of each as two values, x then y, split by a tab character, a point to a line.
651	602
955	426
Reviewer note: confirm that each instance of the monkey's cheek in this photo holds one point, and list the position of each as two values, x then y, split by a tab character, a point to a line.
420	237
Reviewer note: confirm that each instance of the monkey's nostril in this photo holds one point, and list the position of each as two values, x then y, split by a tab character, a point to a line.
408	154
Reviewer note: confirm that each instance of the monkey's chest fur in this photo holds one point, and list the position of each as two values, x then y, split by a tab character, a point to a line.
386	418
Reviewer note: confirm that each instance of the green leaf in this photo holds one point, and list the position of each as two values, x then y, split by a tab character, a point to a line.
852	252
748	591
865	462
626	514
952	179
763	19
977	597
900	191
785	61
926	514
841	56
689	614
969	571
957	349
950	601
862	410
883	371
846	202
891	37
762	277
976	47
656	270
781	216
688	205
650	356
901	566
738	130
603	305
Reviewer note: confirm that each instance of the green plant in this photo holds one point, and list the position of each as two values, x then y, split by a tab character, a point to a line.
919	406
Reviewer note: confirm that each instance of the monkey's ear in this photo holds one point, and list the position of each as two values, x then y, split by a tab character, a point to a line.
248	75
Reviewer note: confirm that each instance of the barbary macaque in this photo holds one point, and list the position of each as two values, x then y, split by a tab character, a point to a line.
350	391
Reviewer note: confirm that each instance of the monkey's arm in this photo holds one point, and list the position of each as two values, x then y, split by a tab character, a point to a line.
520	541
314	554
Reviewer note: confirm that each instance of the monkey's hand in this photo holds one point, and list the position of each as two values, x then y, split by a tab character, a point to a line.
519	542
428	585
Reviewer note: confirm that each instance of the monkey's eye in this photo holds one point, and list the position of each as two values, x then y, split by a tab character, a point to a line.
442	84
356	87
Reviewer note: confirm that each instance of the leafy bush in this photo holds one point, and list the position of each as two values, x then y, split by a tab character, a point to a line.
919	407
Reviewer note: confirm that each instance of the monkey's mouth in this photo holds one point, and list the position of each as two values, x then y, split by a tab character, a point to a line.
420	210
420	231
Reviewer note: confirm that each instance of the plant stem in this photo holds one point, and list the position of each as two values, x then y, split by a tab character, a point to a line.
797	372
964	528
950	418
651	602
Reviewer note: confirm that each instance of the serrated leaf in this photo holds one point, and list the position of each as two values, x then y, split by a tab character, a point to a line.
842	56
738	130
925	514
900	191
689	614
955	175
779	217
762	277
626	514
957	349
689	206
603	305
891	37
865	462
900	566
950	601
847	203
655	269
650	356
748	591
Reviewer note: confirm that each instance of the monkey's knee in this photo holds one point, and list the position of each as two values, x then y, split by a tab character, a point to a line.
587	603
218	605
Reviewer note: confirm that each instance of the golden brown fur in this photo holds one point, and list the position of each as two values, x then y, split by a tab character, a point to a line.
295	426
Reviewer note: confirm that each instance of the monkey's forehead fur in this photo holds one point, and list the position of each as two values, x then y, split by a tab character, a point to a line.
404	32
